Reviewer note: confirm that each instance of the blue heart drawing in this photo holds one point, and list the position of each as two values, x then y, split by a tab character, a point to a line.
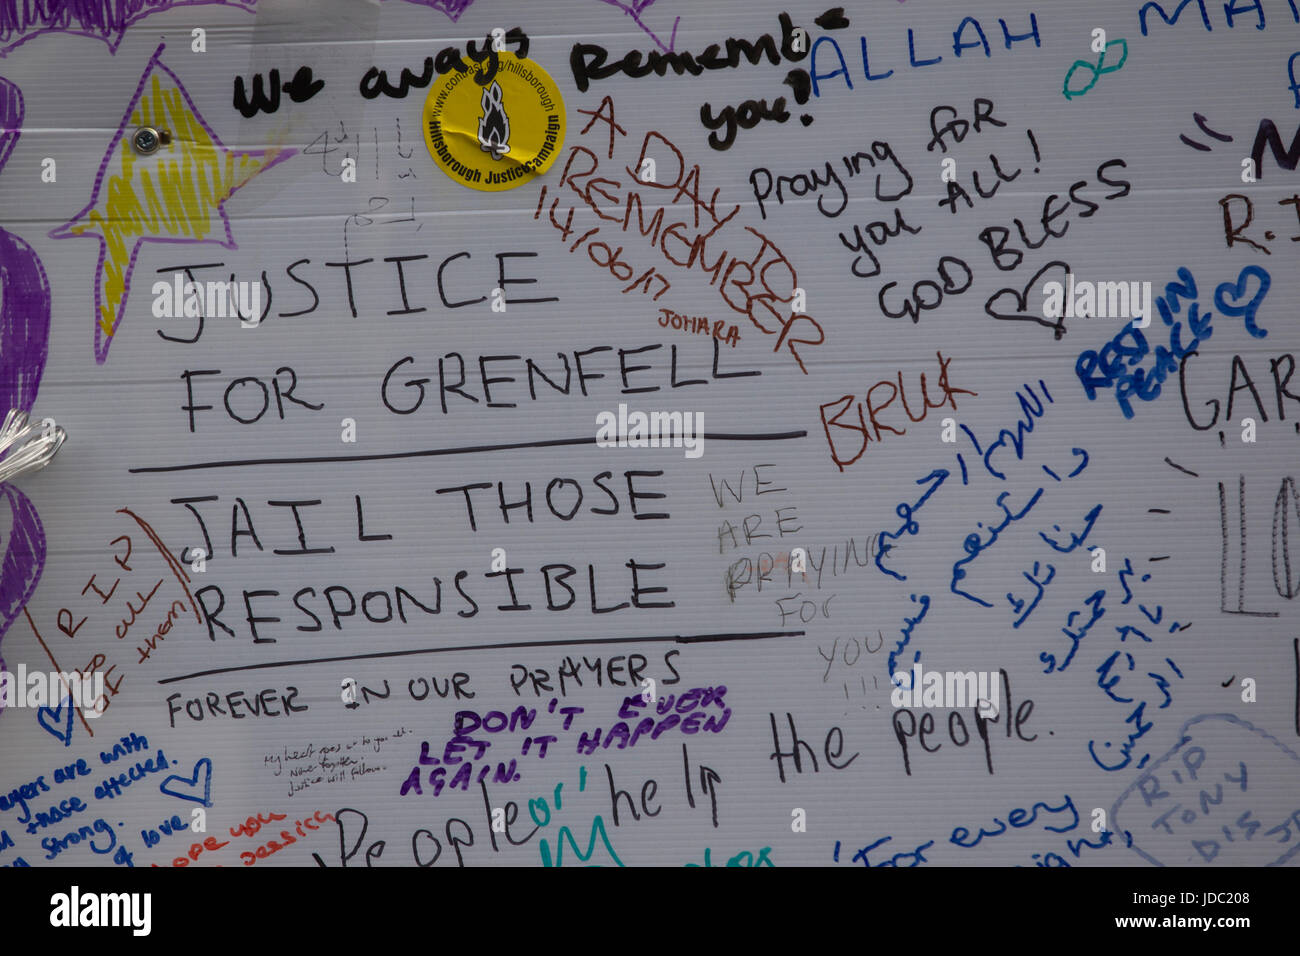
56	716
206	765
1238	290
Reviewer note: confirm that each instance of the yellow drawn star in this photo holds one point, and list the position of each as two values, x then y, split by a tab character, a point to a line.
174	195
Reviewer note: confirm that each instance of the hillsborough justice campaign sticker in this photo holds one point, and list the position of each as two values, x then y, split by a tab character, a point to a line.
497	135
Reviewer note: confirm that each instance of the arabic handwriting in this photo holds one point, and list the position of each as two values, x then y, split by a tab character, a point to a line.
1075	539
909	623
1041	587
909	526
974	547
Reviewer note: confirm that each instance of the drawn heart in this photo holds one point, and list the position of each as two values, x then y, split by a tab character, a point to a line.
58	720
1015	310
178	786
1238	291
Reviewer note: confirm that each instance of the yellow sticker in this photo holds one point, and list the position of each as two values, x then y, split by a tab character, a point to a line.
499	135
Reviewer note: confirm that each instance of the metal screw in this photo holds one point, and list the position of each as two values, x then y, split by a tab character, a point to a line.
148	140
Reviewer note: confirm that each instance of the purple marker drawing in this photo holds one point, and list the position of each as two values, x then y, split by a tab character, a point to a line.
24	323
11	118
24	290
24	344
107	20
453	8
24	559
634	10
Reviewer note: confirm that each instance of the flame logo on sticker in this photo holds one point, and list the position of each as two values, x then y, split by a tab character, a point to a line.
476	143
494	126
